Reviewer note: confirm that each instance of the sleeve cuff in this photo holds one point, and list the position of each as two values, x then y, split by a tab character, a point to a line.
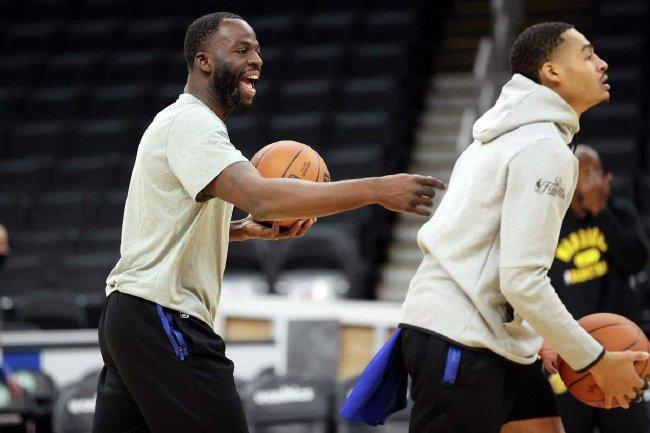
594	362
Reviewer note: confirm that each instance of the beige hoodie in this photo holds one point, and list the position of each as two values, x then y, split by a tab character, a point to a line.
488	247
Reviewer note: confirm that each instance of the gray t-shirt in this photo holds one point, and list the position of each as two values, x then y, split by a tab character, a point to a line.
173	249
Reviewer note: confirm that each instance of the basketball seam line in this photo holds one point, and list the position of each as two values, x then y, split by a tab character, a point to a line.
292	161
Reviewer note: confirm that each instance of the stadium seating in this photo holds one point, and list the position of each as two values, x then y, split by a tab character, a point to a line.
80	80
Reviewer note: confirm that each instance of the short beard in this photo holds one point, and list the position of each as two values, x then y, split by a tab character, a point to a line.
226	88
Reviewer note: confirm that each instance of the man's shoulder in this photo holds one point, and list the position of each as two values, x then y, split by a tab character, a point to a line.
189	116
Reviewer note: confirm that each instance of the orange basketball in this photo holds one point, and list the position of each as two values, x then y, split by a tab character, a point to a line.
291	159
615	333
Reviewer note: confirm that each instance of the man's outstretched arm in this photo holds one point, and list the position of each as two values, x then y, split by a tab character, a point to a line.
273	199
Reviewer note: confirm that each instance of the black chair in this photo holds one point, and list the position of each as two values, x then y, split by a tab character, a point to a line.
92	241
22	69
366	93
49	311
127	100
362	127
308	128
39	138
22	276
381	59
86	273
247	133
93	173
106	9
102	137
110	210
289	404
132	67
83	36
173	68
385	25
305	95
318	61
60	209
617	120
11	100
54	103
31	36
274	30
49	9
167	33
326	263
75	69
249	269
328	27
27	175
14	210
74	408
43	243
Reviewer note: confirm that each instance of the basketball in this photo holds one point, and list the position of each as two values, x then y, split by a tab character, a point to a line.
615	333
291	159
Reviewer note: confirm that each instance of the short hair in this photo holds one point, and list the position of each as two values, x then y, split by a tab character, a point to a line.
200	31
534	46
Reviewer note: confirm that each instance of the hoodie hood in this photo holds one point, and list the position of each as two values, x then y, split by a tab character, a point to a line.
522	102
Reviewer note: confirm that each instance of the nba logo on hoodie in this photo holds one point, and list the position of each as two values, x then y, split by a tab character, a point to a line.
553	188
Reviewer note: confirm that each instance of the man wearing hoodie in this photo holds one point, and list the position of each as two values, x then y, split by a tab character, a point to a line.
481	302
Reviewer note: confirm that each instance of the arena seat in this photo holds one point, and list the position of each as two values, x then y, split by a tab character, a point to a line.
31	36
83	36
60	209
316	61
325	264
277	404
106	239
74	408
54	103
26	174
22	275
50	311
74	68
39	138
248	270
336	26
305	95
43	243
85	274
308	127
95	173
120	100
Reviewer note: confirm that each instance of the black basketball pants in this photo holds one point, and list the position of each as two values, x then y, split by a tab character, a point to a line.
577	417
164	372
458	390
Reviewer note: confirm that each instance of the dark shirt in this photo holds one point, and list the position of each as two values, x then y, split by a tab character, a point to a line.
595	258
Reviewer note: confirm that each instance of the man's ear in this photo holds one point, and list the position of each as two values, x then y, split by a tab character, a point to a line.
203	62
548	73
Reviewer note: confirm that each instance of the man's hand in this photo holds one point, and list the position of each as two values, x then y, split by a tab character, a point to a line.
616	377
408	193
549	359
248	229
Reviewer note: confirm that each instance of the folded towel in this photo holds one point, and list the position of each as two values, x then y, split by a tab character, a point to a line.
381	389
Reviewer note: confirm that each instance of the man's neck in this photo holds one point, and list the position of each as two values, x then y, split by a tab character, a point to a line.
205	95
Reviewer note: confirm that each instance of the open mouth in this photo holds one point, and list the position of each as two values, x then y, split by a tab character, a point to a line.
248	83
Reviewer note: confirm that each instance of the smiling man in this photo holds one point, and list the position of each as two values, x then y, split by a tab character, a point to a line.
165	367
481	302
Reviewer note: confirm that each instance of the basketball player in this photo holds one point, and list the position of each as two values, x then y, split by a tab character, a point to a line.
165	368
480	302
